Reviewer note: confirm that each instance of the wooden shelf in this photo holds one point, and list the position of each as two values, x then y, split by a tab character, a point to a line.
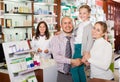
53	23
18	13
23	26
13	27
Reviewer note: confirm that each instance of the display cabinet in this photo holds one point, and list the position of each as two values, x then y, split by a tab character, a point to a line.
20	64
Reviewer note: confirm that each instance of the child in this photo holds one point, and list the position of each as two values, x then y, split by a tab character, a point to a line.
83	42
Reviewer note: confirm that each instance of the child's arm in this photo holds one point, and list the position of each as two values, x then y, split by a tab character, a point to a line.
84	60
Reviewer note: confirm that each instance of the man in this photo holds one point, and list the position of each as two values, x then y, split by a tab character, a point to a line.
59	50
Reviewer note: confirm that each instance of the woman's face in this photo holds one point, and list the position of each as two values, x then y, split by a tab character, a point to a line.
84	14
42	28
97	31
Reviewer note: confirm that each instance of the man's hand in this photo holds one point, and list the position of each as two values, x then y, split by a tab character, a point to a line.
46	51
76	62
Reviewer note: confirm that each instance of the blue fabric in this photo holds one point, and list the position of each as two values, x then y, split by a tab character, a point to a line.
78	73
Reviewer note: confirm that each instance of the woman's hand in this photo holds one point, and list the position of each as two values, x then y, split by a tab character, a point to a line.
39	50
87	63
46	51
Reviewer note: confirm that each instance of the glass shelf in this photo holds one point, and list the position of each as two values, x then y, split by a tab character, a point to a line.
29	70
44	4
16	1
22	52
45	15
52	30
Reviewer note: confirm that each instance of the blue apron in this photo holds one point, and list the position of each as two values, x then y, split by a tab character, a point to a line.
78	73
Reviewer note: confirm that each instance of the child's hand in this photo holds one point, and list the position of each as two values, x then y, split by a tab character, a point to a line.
83	59
87	56
46	51
76	62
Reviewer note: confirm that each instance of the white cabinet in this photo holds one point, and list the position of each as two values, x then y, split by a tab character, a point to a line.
50	74
44	11
47	72
21	65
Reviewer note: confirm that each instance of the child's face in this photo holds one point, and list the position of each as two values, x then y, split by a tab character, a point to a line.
84	14
42	28
97	31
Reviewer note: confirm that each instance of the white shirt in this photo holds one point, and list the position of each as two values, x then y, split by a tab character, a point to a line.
79	32
101	57
41	43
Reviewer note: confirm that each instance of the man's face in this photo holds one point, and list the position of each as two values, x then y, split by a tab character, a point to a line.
67	25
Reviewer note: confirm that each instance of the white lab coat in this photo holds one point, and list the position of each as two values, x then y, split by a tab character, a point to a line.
101	58
43	44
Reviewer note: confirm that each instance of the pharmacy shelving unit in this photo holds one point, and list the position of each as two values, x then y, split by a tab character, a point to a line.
44	11
18	16
19	61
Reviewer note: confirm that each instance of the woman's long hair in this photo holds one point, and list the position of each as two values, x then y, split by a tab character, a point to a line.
37	34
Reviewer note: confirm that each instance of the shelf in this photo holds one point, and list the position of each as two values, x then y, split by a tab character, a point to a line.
17	57
23	26
52	30
28	70
16	1
19	27
21	52
53	23
44	4
1	17
45	15
18	13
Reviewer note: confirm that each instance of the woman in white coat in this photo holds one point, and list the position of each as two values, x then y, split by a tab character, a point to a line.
40	42
100	56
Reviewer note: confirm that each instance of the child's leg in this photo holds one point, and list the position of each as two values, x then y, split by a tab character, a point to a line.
75	70
75	74
82	73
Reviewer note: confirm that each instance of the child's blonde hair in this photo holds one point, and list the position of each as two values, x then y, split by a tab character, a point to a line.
85	6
